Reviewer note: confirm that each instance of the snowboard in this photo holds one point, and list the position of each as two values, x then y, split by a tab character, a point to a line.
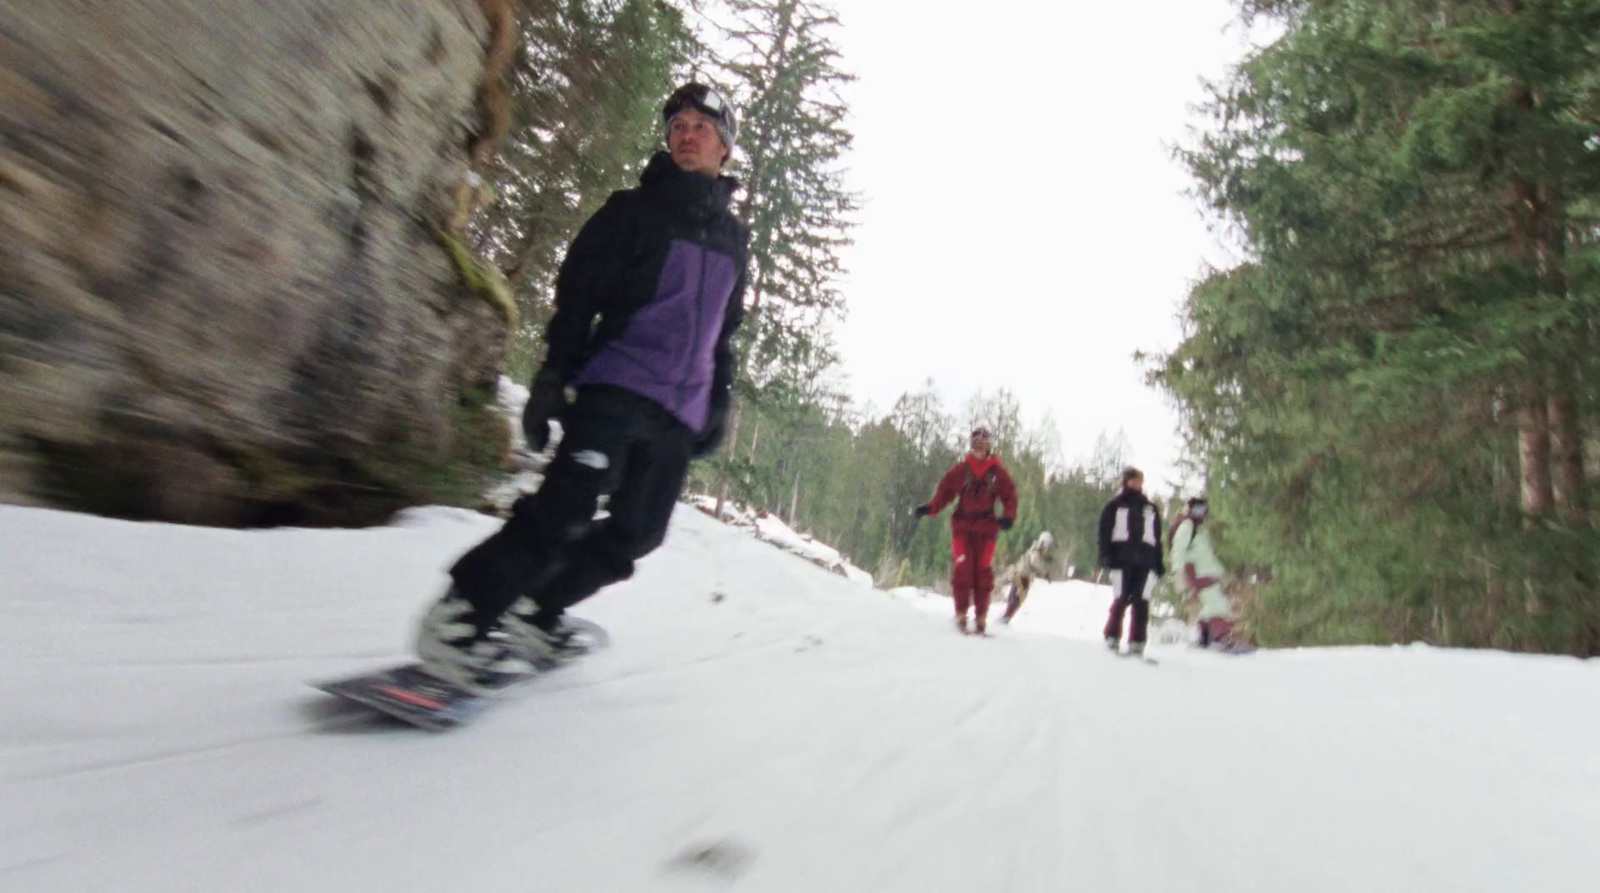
412	695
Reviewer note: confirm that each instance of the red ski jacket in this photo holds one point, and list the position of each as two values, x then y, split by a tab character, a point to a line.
974	485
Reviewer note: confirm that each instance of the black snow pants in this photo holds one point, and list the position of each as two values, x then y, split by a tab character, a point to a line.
1130	590
615	444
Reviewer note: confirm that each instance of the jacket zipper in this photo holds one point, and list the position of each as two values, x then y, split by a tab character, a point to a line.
699	317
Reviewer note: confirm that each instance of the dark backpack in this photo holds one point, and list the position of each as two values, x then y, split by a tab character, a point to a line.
976	484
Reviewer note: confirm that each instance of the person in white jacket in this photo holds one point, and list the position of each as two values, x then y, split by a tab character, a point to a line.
1020	576
1201	573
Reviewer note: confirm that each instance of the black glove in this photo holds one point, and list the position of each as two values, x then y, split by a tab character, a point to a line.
710	436
547	396
1005	523
921	511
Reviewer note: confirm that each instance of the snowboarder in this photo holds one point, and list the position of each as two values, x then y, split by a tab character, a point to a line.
637	371
1196	559
1130	550
1034	563
975	483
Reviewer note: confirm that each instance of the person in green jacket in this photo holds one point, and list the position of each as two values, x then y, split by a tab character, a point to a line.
1201	573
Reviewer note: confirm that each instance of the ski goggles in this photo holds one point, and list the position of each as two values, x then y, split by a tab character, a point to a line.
698	96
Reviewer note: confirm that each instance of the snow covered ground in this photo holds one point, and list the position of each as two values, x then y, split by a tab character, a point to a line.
1072	609
759	725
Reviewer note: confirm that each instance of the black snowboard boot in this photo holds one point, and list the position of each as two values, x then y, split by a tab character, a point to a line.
541	637
451	646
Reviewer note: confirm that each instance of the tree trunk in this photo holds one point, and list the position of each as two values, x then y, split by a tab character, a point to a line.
1533	447
1566	460
1526	218
1494	606
1538	230
1533	443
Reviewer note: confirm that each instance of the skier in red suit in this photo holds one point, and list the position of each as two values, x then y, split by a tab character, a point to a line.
974	484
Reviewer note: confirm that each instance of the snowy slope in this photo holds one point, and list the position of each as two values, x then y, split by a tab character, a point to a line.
759	725
1071	609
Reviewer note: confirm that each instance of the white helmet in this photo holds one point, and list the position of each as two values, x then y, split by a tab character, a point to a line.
1046	540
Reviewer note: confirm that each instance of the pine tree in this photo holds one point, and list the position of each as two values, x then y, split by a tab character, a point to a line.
785	74
1390	389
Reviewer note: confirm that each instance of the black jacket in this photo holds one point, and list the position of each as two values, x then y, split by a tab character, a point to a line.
1130	533
614	266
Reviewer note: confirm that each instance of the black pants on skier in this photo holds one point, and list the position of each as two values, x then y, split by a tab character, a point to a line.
1130	590
615	444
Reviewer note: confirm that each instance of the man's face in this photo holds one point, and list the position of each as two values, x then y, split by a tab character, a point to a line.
981	445
693	141
1135	483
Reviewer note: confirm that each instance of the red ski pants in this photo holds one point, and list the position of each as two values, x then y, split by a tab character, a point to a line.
971	576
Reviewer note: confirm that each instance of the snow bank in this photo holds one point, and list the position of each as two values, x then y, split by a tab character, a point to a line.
770	529
732	513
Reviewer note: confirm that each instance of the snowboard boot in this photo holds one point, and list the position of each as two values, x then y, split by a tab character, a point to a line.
451	646
1135	649
1111	644
541	638
961	624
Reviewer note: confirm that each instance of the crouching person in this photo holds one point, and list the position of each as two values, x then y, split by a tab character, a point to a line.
1201	574
1034	564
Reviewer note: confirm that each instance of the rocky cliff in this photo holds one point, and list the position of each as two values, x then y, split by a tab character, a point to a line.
224	296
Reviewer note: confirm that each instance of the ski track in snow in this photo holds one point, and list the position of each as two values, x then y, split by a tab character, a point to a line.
757	725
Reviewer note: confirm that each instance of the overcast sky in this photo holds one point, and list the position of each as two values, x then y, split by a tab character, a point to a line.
1024	224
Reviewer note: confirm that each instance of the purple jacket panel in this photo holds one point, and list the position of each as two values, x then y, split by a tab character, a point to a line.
666	351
